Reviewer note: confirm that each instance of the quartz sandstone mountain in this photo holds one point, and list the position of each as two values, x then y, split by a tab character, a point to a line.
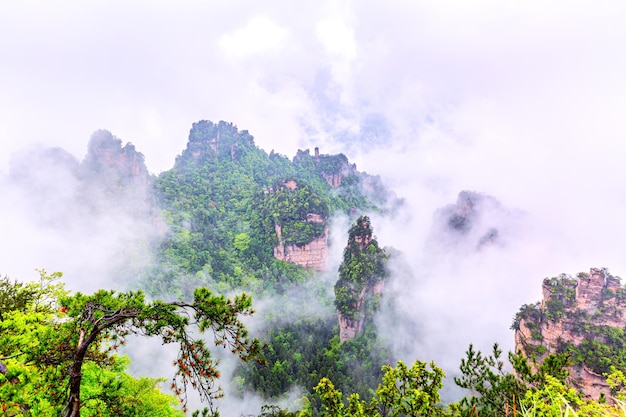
476	220
361	280
110	177
350	327
223	144
333	168
307	212
314	254
311	255
115	178
574	311
105	152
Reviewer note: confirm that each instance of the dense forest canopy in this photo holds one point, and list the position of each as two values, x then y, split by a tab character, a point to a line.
226	200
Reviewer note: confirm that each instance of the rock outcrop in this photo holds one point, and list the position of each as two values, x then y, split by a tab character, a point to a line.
475	220
311	255
215	140
299	224
332	168
574	314
115	177
105	155
361	280
350	327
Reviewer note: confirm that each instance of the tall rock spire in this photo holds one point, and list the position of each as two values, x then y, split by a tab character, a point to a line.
361	279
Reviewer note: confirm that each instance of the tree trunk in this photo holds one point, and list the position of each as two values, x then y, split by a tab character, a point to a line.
73	402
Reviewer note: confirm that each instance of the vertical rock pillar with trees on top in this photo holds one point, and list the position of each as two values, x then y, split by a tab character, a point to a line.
361	279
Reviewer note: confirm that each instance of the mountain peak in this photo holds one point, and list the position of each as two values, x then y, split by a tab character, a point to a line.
211	140
105	153
582	316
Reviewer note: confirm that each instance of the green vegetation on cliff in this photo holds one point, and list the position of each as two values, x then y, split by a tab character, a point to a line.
363	267
594	340
302	352
225	199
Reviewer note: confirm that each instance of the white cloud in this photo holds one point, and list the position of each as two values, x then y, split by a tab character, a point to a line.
337	37
260	36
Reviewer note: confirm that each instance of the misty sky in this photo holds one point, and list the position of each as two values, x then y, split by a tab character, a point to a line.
524	101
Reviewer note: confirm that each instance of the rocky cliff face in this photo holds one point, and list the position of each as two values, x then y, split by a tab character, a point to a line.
110	177
333	168
115	174
114	181
311	255
215	140
475	220
576	315
105	155
350	327
299	223
361	280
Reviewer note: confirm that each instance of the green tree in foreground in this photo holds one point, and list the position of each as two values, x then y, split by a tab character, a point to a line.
403	391
493	388
414	391
532	389
69	334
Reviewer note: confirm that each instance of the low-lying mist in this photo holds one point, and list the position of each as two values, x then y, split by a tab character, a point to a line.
463	261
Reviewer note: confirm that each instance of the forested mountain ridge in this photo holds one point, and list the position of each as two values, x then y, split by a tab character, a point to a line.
240	217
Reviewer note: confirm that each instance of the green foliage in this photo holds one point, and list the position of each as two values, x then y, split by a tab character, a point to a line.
602	346
617	382
603	349
299	354
242	242
223	188
562	295
111	391
363	266
292	211
403	391
410	391
532	313
275	411
494	389
60	349
31	315
555	399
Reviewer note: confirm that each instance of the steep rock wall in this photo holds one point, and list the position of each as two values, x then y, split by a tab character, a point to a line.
105	153
568	308
349	328
312	255
361	280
